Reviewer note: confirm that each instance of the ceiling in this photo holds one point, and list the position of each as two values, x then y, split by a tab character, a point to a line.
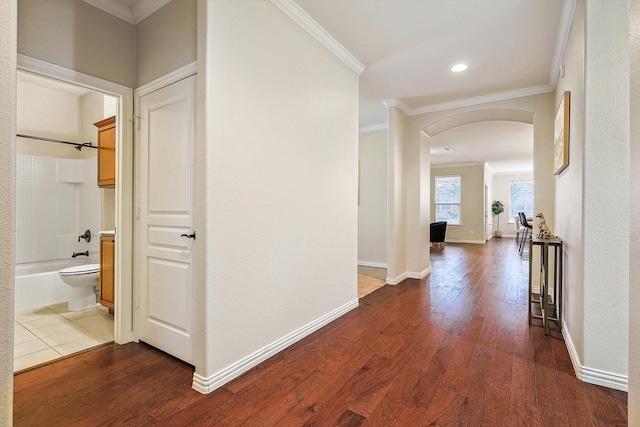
512	48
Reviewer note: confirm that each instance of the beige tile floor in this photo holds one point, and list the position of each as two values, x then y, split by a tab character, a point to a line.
47	333
370	279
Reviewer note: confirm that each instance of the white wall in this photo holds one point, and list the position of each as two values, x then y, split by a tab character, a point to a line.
501	192
569	187
396	199
279	186
633	398
471	229
75	35
597	264
8	43
372	207
166	40
606	184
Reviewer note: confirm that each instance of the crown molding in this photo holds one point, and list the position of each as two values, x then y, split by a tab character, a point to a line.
484	99
302	18
566	20
373	128
131	15
399	103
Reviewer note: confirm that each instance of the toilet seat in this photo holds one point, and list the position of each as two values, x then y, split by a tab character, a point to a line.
80	269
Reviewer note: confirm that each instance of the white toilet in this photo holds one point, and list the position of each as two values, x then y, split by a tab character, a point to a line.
83	280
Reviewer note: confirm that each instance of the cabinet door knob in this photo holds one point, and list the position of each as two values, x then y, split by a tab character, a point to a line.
190	236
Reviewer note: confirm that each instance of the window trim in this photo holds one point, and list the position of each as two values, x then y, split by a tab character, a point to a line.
458	204
532	195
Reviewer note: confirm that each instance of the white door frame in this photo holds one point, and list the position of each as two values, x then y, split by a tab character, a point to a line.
123	276
173	77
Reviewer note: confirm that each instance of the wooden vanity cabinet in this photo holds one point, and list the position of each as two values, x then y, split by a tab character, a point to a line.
106	152
107	256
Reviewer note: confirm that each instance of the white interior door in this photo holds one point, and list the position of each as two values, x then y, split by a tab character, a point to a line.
164	308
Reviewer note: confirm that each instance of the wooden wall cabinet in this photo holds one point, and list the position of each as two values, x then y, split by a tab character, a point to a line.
107	256
106	152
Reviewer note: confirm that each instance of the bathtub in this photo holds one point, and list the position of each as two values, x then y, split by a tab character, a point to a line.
38	283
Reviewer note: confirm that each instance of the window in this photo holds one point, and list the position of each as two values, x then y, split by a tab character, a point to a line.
448	199
521	198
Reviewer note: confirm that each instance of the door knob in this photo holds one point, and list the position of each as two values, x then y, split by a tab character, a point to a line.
190	236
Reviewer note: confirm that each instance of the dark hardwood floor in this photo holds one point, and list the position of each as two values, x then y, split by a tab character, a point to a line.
453	349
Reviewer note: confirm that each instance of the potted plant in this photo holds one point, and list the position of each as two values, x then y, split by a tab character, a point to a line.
497	207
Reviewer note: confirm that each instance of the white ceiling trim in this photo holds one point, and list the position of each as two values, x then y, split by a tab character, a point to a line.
484	99
397	102
131	15
302	18
566	19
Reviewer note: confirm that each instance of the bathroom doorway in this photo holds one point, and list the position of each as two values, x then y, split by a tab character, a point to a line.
57	202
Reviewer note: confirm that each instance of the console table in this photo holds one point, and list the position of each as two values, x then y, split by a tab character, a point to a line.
544	300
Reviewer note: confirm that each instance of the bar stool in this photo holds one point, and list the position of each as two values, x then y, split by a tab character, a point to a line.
528	228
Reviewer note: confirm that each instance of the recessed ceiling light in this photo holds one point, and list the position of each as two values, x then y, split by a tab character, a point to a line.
459	67
448	149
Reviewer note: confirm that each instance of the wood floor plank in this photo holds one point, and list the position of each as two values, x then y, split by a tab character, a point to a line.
452	349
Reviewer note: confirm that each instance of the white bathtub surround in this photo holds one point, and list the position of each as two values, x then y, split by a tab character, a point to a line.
56	201
48	333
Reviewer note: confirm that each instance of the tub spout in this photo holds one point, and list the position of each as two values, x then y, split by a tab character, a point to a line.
75	254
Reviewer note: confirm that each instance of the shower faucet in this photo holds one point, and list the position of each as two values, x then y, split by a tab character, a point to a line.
75	254
86	236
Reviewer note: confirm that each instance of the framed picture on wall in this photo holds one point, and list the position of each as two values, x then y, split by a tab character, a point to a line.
561	135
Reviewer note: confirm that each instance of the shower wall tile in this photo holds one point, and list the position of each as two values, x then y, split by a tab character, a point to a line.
49	212
70	171
89	208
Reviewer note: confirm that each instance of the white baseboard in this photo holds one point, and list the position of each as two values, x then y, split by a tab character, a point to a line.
408	275
373	264
414	275
397	279
480	242
208	384
593	376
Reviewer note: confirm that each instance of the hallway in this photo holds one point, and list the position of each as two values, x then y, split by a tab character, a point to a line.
452	349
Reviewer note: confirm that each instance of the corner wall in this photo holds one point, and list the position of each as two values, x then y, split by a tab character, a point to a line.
279	186
633	398
569	188
8	67
396	198
166	40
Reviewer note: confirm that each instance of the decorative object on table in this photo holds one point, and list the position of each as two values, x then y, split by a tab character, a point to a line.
497	207
543	228
561	135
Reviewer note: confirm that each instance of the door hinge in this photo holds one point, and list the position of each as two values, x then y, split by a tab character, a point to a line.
137	303
136	121
138	212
